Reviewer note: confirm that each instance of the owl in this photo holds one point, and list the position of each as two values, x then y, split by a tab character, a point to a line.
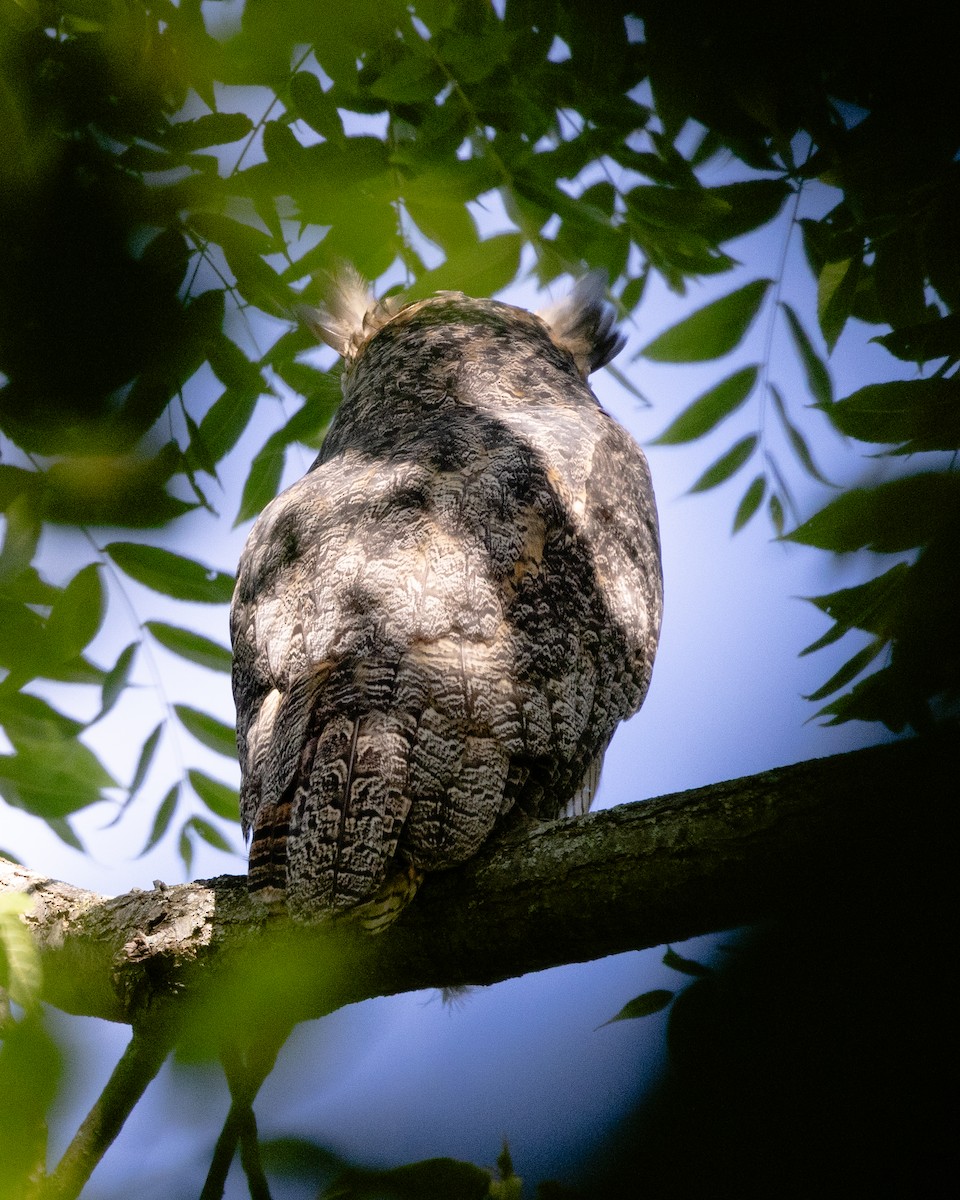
438	628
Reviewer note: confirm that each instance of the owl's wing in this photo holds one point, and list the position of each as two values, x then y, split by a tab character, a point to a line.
372	668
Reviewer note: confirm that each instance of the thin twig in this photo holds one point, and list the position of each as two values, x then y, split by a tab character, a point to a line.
245	1075
149	1045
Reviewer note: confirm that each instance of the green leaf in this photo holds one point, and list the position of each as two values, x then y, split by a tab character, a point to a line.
711	331
926	342
147	752
431	1179
409	80
481	270
210	834
925	413
192	646
213	129
751	204
52	777
752	499
315	106
879	697
221	799
26	717
171	574
185	848
232	367
727	464
23	977
226	420
796	439
708	410
76	615
642	1006
818	376
836	289
161	822
208	730
116	679
872	606
688	966
775	506
22	527
689	208
263	481
895	516
64	831
849	671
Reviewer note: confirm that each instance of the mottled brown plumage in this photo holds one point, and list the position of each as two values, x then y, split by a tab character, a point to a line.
443	622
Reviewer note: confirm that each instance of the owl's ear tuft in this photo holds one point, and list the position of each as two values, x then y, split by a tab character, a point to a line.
582	324
351	314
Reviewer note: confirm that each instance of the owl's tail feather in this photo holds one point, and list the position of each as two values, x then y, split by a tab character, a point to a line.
582	324
267	877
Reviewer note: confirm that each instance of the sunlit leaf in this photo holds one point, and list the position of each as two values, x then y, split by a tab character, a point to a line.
212	733
818	376
642	1006
23	975
482	270
711	331
749	505
836	288
192	646
708	410
21	534
52	777
76	615
219	797
171	574
727	464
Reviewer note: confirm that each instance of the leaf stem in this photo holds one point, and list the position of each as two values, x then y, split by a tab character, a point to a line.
149	1045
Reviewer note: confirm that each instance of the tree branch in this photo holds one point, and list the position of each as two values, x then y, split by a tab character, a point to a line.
568	891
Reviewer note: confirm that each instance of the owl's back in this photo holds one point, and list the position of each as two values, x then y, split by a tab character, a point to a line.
446	618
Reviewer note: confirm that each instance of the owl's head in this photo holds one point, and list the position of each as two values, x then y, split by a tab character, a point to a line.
580	323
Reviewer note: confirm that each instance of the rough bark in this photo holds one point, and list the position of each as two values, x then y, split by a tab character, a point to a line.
642	874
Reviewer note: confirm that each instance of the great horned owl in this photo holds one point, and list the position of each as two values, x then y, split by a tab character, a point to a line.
445	619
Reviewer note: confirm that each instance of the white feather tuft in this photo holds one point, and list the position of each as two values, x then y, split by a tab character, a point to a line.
351	314
582	324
